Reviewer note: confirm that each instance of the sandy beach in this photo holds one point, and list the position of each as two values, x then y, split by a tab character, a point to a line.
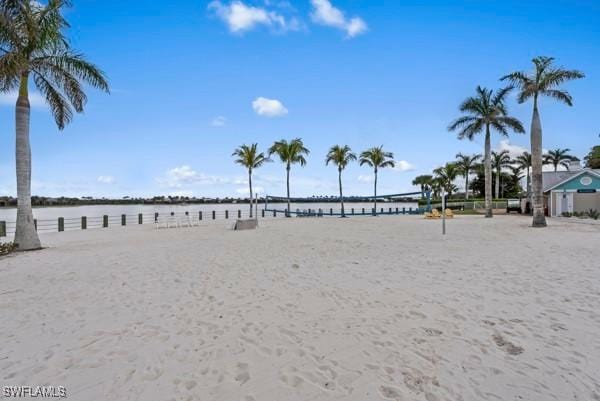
309	309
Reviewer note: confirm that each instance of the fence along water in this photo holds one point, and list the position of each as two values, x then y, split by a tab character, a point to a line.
60	224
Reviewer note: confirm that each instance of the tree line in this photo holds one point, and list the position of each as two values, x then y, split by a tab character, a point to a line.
294	152
507	173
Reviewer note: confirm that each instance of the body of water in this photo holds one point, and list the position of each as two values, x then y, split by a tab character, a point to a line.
68	212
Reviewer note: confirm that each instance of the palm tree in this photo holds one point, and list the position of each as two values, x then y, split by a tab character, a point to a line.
423	181
466	164
559	157
544	81
486	111
446	176
377	158
515	174
524	161
249	157
33	46
289	153
340	156
500	160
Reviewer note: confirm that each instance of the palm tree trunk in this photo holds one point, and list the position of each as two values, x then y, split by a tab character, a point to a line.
497	191
26	236
375	193
466	185
341	194
488	173
288	214
539	219
250	184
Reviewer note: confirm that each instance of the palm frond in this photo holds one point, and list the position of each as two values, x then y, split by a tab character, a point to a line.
562	96
59	106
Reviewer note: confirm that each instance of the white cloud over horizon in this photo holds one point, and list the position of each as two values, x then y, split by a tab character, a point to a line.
240	17
269	107
106	179
324	13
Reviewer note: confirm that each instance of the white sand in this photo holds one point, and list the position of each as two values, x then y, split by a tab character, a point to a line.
309	309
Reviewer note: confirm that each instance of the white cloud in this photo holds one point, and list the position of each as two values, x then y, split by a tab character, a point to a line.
513	150
365	178
36	100
325	13
269	107
178	177
246	190
403	165
219	121
240	17
106	179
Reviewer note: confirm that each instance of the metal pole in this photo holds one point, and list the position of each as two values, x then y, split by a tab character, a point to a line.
443	211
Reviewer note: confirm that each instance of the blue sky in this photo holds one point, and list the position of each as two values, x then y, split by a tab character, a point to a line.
194	79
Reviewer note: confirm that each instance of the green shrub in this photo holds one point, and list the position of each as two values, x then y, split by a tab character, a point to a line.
593	214
567	214
7	247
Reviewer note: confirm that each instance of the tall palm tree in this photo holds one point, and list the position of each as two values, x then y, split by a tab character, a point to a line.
466	164
33	47
340	156
423	181
559	157
446	176
486	111
251	158
524	161
289	153
544	81
500	160
377	158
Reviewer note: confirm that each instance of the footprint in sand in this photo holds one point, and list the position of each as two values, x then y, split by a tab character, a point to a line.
432	332
506	345
242	375
390	393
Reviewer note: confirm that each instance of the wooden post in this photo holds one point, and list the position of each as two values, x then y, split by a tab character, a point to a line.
330	211
187	214
274	212
381	210
155	217
214	215
123	220
396	210
410	210
239	214
352	211
105	221
263	213
83	223
403	210
2	228
363	210
226	214
35	224
200	215
140	218
390	211
61	224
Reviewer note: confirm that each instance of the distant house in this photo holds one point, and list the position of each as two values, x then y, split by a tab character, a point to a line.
576	190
